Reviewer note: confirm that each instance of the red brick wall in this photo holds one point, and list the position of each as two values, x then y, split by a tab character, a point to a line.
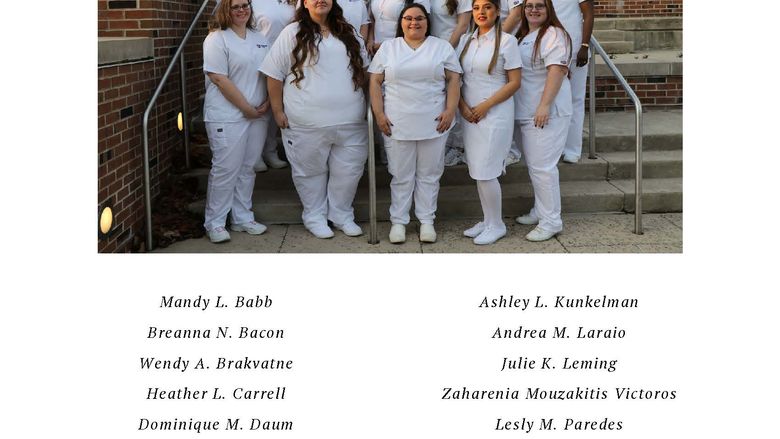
655	93
638	8
125	90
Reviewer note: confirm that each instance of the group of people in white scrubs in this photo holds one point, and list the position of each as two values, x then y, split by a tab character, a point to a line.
428	74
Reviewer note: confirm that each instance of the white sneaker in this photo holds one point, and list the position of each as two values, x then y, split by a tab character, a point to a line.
475	230
321	231
252	227
571	158
528	219
260	166
218	234
511	159
272	159
349	228
427	233
452	157
538	234
490	235
397	234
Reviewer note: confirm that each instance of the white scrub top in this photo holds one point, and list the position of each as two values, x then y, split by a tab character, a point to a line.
355	12
553	50
570	15
225	53
487	142
414	88
506	6
271	16
385	14
442	23
326	96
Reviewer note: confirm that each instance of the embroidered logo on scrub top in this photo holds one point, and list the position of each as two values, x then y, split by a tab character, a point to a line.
517	2
262	46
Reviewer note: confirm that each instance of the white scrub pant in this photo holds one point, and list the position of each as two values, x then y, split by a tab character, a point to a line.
270	145
234	149
327	164
416	167
578	80
542	148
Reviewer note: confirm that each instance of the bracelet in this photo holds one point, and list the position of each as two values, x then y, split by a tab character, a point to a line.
586	45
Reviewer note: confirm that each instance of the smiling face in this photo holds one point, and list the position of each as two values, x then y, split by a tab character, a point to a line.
535	12
240	12
318	8
414	24
485	14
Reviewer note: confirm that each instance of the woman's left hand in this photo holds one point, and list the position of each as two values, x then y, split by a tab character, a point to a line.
445	120
263	108
582	56
542	116
480	111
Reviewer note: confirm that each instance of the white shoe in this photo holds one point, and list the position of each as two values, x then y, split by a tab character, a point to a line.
218	234
452	157
511	159
272	159
349	228
260	166
252	227
571	158
538	234
321	231
475	230
427	233
528	219
490	235
397	234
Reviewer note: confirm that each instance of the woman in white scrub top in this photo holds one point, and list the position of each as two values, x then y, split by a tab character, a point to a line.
356	14
384	18
272	16
421	78
234	110
316	71
491	75
542	112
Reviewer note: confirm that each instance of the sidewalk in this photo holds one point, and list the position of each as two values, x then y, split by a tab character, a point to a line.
583	233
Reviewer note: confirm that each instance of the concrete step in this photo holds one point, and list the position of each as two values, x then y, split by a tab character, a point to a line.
605	35
656	164
604	23
617	46
461	202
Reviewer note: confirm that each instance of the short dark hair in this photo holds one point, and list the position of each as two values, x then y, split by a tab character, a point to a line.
399	31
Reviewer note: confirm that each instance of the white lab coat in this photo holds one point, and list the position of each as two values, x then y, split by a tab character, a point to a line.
271	16
487	142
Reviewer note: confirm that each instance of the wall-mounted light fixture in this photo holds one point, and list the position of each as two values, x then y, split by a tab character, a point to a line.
106	221
180	121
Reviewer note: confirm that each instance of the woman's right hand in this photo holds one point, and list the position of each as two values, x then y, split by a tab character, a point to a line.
281	120
384	124
252	112
465	111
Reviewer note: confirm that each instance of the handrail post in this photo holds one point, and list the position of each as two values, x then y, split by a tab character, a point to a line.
592	105
372	232
185	119
638	229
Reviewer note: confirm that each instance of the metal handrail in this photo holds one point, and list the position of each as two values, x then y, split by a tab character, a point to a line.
178	55
372	232
596	48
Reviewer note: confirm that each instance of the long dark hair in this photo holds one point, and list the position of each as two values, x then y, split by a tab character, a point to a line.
499	34
399	31
309	36
552	20
452	6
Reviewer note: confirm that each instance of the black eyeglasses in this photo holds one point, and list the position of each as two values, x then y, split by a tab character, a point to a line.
242	7
418	18
537	6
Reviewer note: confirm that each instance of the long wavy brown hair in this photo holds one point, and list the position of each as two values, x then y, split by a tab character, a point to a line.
221	17
309	36
452	6
552	20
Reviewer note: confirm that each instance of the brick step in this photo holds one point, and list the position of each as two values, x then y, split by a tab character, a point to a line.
461	202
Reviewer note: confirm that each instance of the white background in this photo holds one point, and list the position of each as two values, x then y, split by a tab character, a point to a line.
375	338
